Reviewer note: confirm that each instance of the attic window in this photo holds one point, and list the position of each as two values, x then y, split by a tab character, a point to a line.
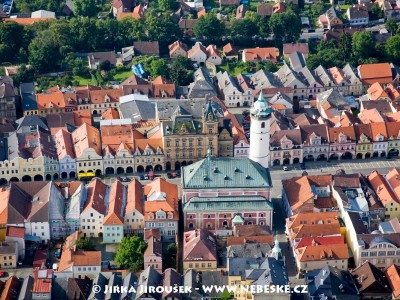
236	169
226	177
205	178
215	170
248	177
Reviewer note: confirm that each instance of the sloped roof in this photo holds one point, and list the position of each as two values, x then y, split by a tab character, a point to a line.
371	280
200	245
114	211
96	192
393	275
134	200
225	172
381	187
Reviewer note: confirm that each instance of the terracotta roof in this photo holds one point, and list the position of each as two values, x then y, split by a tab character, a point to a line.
142	144
392	92
196	48
42	280
295	47
165	197
177	45
312	218
82	116
322	252
393	275
96	192
375	91
199	245
298	191
11	289
371	280
84	137
114	210
163	88
242	240
381	73
114	135
241	11
212	51
337	75
110	114
63	142
228	50
86	258
71	185
320	240
68	249
152	232
363	130
336	131
15	232
393	130
134	200
379	129
314	230
47	101
368	116
251	54
100	96
26	21
381	187
393	177
251	230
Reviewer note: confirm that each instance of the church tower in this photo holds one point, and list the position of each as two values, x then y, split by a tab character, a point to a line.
260	132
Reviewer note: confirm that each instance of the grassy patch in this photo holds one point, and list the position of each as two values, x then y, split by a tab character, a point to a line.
344	7
83	80
121	75
237	69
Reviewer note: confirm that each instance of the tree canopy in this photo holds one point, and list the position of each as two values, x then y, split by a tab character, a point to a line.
209	29
130	253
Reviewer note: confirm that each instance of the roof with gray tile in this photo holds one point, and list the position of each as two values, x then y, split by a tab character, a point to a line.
236	203
225	172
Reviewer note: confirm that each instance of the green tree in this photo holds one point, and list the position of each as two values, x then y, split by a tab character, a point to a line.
11	35
181	72
159	67
363	45
392	48
165	5
345	46
328	58
243	30
170	261
23	75
131	29
85	244
225	296
209	28
130	253
285	26
160	27
376	12
44	52
391	26
85	8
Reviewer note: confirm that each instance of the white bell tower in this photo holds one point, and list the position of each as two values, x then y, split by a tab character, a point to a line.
260	132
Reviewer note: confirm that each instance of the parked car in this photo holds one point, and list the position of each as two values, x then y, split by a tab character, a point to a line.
125	179
2	273
141	177
303	166
285	168
151	175
57	254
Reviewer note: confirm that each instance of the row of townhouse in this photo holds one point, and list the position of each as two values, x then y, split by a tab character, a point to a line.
181	135
50	210
327	142
362	210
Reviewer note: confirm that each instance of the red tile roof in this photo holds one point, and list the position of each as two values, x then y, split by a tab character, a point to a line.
322	252
42	280
252	54
199	245
393	275
135	199
114	211
96	192
16	232
320	240
381	187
